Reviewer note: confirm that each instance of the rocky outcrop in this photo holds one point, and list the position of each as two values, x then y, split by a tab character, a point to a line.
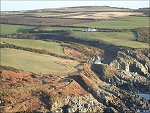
142	56
129	63
71	104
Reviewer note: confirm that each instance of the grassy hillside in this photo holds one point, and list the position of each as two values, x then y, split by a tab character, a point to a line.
127	39
9	29
52	47
36	63
128	22
88	8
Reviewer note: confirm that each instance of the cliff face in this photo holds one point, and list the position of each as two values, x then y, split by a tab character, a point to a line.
93	88
133	62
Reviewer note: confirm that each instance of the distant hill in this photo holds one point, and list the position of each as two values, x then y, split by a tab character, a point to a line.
85	8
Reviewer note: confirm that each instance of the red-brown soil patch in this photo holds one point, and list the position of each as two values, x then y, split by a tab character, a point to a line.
22	91
41	21
10	78
75	54
16	91
72	89
90	77
88	70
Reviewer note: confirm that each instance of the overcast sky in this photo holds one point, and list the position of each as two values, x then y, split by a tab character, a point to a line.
30	5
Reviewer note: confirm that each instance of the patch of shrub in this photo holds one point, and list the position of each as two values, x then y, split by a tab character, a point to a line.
143	34
8	68
104	70
81	49
20	36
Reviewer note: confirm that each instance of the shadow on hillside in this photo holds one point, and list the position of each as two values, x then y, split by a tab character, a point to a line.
23	30
46	100
135	35
110	50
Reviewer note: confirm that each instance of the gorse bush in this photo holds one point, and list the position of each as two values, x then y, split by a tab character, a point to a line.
20	36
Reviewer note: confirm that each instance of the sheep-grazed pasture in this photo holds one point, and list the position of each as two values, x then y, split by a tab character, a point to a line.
51	47
127	39
10	29
37	63
128	22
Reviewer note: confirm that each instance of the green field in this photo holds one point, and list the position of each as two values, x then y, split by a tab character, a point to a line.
62	28
128	22
127	39
10	29
34	62
52	47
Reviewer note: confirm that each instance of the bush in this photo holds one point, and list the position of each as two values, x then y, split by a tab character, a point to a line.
20	36
143	34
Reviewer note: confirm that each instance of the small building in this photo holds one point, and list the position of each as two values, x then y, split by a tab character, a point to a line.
90	30
97	60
